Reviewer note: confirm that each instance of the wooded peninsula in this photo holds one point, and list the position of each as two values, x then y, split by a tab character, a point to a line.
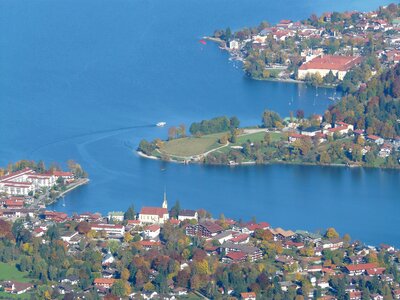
362	129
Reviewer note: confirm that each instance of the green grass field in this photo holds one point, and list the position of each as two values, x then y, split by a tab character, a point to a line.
8	271
191	146
4	295
257	137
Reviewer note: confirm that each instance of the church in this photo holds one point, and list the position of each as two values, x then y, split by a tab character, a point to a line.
155	215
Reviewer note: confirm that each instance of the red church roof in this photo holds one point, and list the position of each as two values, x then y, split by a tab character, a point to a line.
147	210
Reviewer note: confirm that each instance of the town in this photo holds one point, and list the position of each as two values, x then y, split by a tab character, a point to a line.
175	253
321	50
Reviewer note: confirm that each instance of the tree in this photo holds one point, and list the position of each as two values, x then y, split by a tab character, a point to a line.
347	238
174	212
120	288
182	130
331	233
128	237
6	231
234	122
53	233
324	158
76	169
125	274
270	119
130	213
83	227
223	139
172	132
267	138
300	114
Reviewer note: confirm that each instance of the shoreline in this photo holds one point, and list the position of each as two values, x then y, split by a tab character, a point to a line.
284	80
253	163
81	182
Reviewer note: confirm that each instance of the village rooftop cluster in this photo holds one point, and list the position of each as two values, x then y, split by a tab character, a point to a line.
333	43
306	263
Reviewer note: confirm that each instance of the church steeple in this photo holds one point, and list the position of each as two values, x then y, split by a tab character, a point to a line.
165	203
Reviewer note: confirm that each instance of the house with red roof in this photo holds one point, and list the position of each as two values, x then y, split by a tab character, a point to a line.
15	287
338	130
359	269
376	139
55	216
149	244
322	65
152	231
14	203
234	257
251	227
248	296
104	282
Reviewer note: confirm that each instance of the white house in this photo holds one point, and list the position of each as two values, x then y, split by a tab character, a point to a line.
152	231
188	214
111	229
117	216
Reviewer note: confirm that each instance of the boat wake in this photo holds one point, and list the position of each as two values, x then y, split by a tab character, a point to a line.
88	134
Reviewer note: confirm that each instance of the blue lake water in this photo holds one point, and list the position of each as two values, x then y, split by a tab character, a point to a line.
89	79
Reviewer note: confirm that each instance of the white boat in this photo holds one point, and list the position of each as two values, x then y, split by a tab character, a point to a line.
161	124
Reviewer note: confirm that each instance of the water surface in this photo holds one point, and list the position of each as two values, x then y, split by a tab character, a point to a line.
89	79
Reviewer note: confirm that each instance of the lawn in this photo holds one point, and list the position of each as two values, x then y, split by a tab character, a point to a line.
257	137
4	295
8	271
191	146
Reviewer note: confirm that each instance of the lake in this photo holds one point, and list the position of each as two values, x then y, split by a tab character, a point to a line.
88	80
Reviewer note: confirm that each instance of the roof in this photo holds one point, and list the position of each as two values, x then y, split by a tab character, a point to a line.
210	226
153	227
187	213
17	173
104	281
239	238
297	135
145	243
373	137
107	226
11	202
244	248
285	233
248	295
62	174
236	255
331	62
336	129
312	129
159	211
253	226
376	271
360	267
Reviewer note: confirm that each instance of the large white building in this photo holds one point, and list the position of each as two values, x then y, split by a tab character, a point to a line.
25	181
322	65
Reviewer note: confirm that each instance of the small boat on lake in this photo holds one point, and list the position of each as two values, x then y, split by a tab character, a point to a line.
161	124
